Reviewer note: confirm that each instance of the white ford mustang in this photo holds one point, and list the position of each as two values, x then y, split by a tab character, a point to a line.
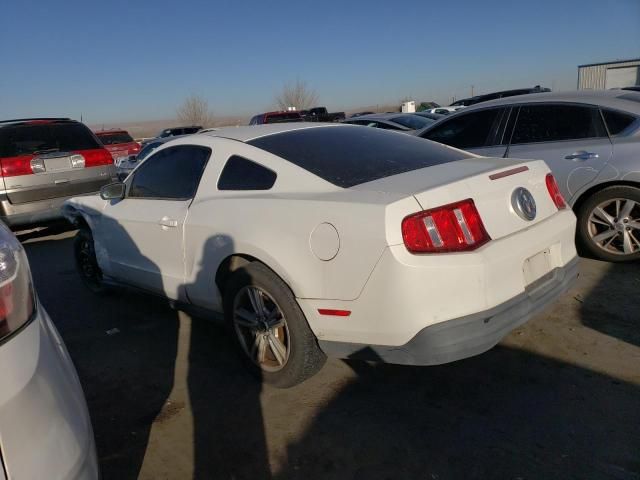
334	240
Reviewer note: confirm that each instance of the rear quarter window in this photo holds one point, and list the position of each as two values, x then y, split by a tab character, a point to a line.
348	155
617	121
242	174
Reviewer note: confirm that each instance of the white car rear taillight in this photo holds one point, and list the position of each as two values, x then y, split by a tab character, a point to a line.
17	302
456	227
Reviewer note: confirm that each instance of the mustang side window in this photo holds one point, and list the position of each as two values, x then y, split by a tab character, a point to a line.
242	174
173	173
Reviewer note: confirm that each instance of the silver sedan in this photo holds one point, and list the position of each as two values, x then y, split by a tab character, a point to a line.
591	141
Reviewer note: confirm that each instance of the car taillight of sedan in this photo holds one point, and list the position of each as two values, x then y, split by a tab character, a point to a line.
16	291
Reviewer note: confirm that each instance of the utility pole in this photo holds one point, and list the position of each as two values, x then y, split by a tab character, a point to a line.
472	90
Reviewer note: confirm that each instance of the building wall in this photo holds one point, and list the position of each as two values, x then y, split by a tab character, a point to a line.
591	77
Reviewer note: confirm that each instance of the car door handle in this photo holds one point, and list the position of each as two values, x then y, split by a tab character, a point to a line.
166	222
581	155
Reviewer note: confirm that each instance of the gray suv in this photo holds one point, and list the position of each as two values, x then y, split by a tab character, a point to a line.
44	161
591	142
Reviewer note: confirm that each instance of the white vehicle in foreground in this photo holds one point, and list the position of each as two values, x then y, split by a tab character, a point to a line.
45	430
334	239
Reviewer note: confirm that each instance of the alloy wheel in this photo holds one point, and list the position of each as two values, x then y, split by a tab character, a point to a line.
614	226
261	328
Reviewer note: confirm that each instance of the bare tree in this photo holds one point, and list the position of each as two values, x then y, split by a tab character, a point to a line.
195	111
297	95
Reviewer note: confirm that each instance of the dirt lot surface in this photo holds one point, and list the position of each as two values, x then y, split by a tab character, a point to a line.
169	399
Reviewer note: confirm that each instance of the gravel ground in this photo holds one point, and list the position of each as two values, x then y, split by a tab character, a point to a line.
169	399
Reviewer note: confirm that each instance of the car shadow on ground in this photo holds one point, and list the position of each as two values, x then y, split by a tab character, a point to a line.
125	346
508	413
612	309
504	414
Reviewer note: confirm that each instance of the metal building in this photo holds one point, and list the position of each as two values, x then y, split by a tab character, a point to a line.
621	73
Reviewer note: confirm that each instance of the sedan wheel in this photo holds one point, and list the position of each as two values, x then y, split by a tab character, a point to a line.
614	226
261	328
609	224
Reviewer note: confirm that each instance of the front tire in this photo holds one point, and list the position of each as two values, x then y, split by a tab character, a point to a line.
87	264
269	327
609	224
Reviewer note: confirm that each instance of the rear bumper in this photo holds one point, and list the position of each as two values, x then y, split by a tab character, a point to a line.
32	213
420	302
466	336
42	211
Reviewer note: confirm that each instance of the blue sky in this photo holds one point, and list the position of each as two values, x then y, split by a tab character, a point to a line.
137	60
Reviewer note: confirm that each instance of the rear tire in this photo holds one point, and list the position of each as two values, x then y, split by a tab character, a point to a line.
609	224
87	264
269	328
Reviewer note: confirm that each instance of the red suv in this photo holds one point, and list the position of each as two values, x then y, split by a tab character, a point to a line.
119	143
276	117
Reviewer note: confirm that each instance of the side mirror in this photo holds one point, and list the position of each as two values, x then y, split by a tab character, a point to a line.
113	191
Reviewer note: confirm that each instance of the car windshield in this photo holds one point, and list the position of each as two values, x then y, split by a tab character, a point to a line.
351	155
30	139
414	122
114	138
148	148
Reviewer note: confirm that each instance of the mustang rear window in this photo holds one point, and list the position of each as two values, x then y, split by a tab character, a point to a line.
348	156
29	139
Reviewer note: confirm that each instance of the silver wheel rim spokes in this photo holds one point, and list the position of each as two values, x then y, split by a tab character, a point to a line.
614	226
261	328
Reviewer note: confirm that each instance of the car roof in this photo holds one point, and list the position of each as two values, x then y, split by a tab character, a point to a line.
251	132
108	132
168	139
616	99
381	116
35	121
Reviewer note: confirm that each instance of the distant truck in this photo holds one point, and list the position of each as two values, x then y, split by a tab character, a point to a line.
320	114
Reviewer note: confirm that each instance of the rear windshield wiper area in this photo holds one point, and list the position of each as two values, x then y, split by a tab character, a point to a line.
46	150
